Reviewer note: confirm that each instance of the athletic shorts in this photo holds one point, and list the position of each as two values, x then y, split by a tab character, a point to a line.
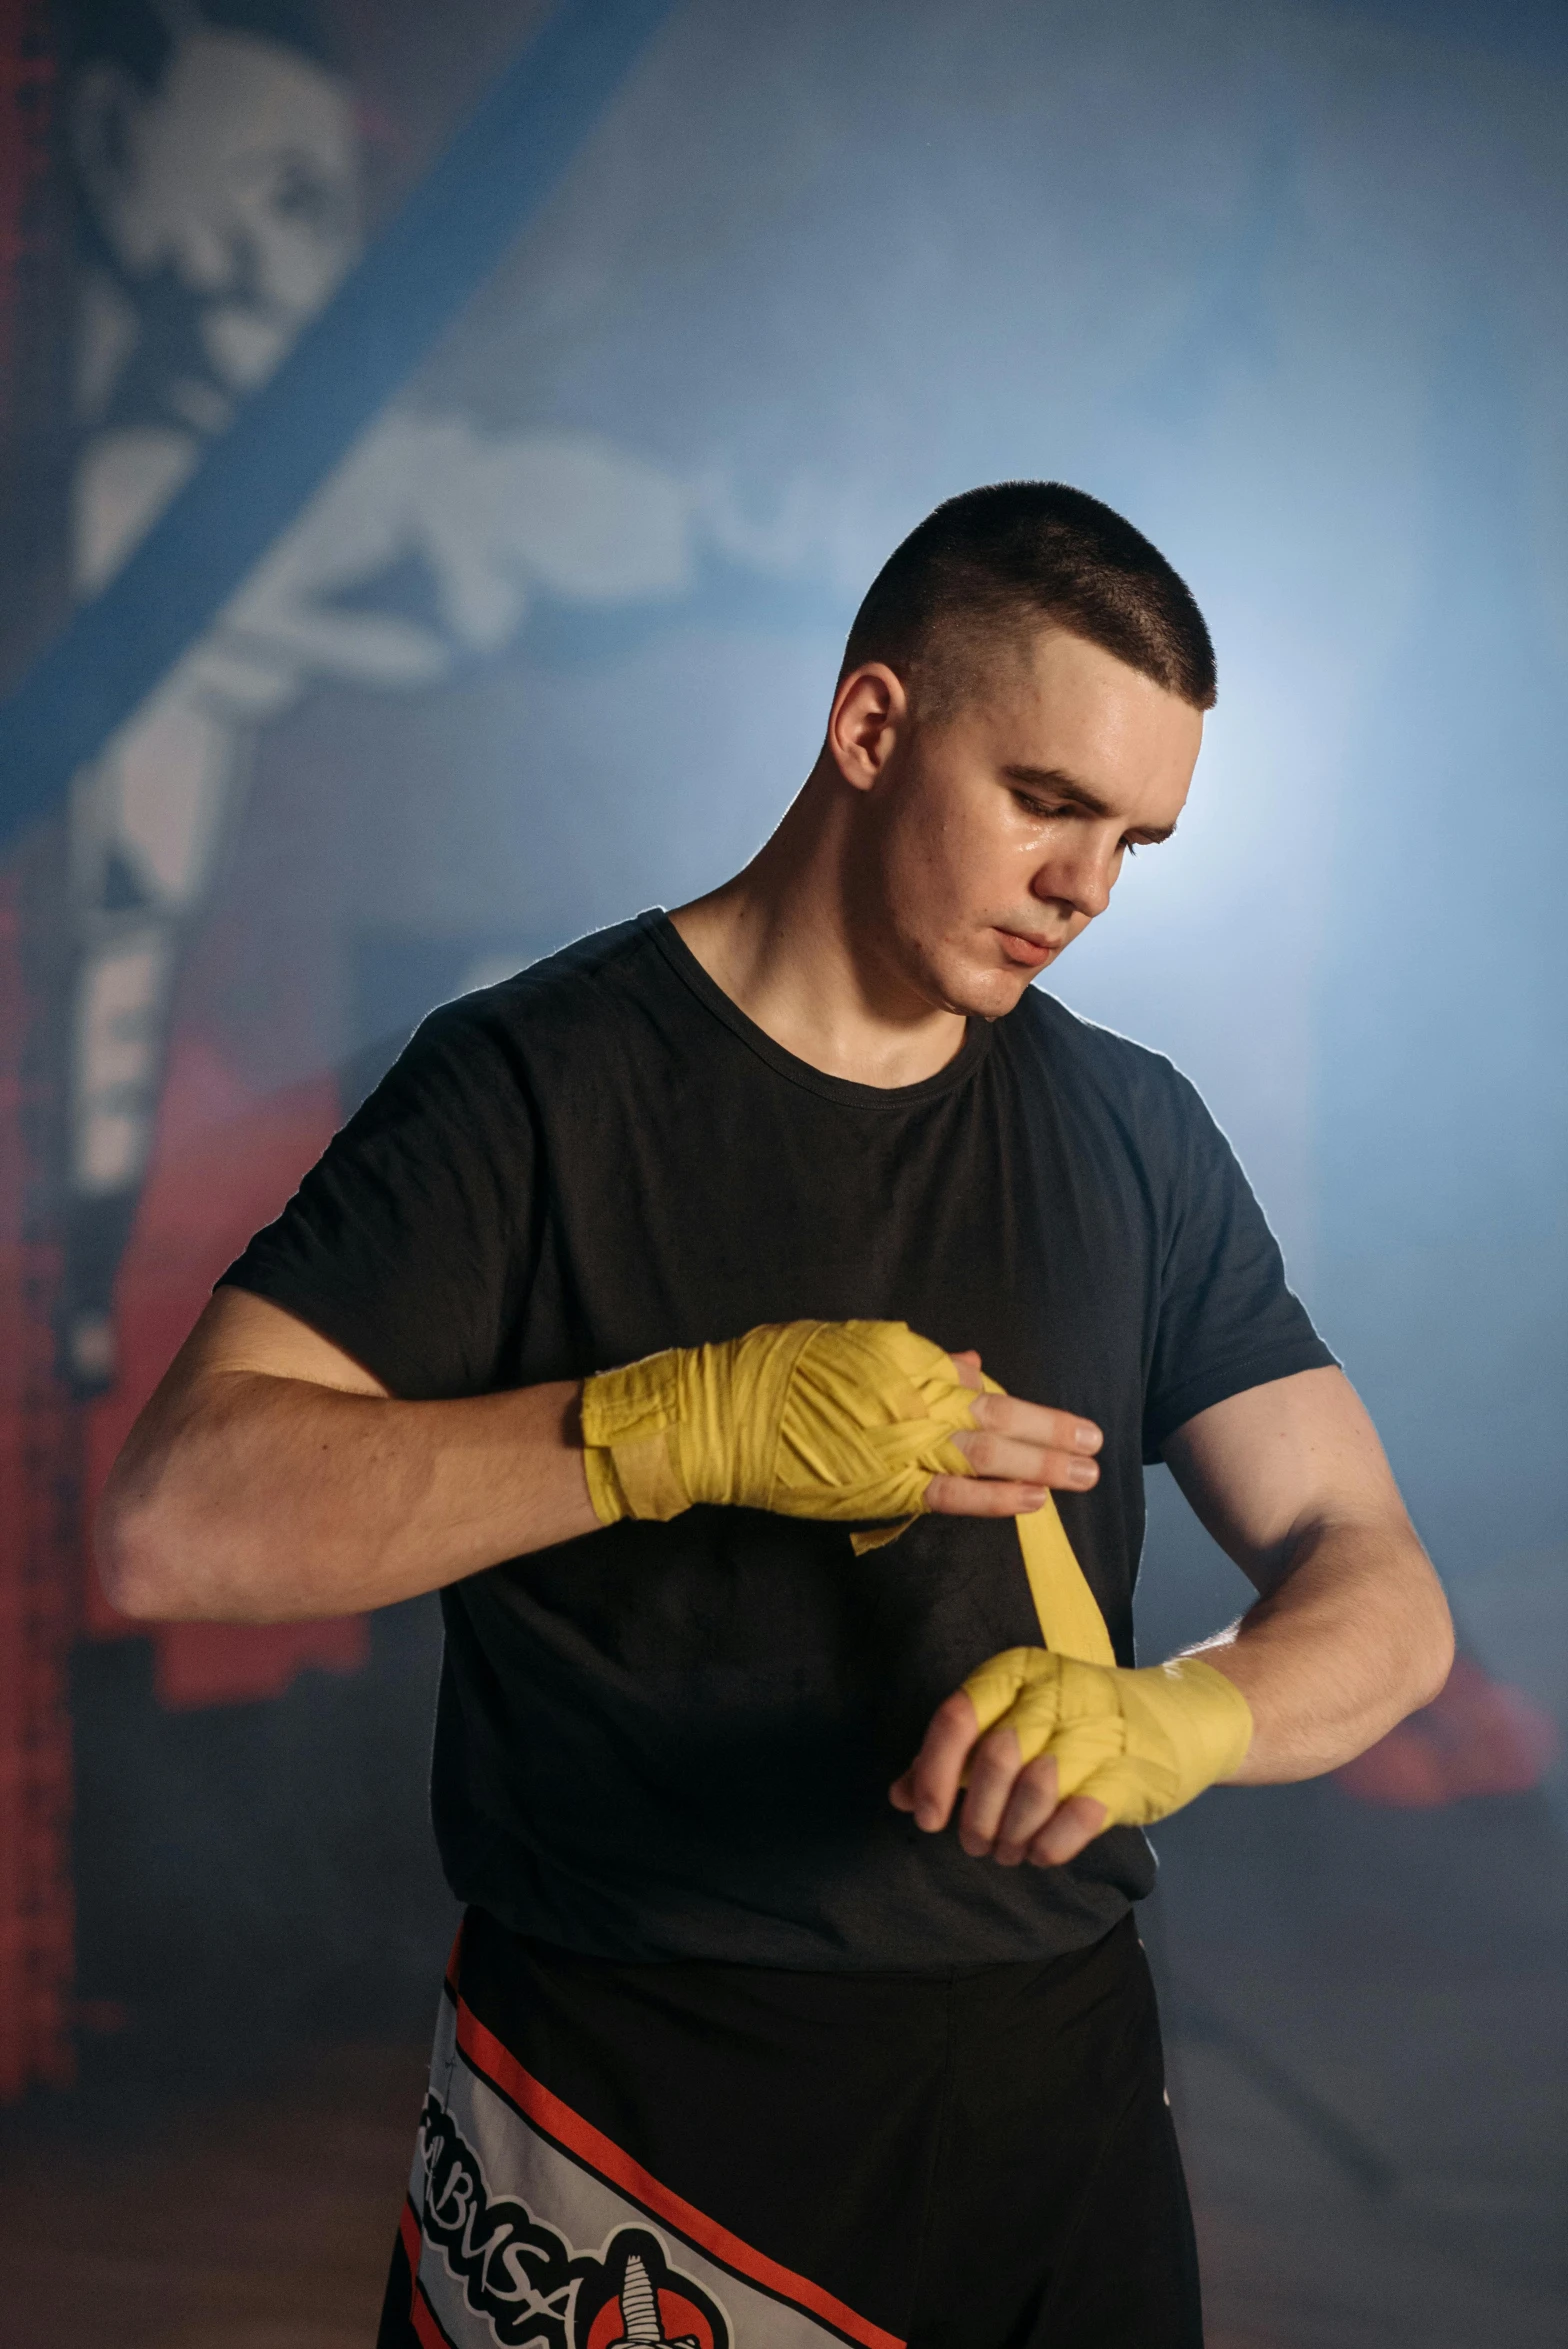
698	2156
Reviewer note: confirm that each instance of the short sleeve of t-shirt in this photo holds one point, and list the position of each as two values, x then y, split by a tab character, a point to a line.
1227	1319
410	1242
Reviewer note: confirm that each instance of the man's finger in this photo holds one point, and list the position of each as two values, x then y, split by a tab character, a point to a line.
929	1785
1036	1423
979	1496
992	1454
1075	1825
994	1768
1032	1802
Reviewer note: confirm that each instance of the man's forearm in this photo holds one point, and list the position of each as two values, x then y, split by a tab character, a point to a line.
261	1498
1354	1636
272	1476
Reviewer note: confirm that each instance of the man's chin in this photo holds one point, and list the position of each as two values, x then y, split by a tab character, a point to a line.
989	994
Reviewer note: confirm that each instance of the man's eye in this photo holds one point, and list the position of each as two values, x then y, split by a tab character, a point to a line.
1131	846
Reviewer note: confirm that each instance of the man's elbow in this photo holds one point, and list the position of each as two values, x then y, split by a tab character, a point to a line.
152	1554
1430	1653
135	1549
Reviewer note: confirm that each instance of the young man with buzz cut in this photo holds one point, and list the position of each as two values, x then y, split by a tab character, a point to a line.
755	1321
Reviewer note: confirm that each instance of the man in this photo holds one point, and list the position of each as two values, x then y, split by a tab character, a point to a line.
735	2048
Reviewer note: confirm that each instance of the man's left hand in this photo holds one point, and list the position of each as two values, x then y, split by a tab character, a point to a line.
1062	1748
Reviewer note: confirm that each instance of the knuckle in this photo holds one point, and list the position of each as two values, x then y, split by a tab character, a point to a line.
996	1756
951	1734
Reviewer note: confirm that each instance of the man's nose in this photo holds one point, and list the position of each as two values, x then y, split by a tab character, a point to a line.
1080	877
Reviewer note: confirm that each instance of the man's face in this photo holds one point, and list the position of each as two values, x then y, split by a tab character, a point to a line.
997	833
237	177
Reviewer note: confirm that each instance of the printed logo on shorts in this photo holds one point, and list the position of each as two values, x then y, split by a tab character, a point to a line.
637	2301
535	2290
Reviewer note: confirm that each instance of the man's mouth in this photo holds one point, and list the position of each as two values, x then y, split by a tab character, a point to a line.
1029	953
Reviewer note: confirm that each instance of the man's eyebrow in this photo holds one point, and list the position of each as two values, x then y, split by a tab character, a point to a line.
1066	787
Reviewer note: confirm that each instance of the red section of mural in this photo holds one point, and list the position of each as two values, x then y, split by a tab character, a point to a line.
1478	1737
37	1560
37	1422
226	1161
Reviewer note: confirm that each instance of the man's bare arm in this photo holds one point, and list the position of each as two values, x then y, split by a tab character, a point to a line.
1351	1631
272	1478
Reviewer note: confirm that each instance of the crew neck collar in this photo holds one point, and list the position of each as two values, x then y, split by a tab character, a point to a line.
679	956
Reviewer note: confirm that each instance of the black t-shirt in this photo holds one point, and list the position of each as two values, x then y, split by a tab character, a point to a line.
676	1740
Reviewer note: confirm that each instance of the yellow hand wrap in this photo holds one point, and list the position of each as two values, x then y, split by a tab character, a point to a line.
1143	1743
835	1419
852	1419
822	1419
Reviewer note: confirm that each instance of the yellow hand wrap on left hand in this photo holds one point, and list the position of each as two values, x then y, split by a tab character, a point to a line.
1141	1742
827	1419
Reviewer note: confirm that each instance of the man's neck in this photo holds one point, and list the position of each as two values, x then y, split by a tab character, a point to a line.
781	942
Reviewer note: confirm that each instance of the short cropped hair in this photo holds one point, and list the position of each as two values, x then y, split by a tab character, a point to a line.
988	564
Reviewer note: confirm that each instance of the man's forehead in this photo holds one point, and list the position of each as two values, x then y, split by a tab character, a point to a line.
1053	679
1068	716
1051	654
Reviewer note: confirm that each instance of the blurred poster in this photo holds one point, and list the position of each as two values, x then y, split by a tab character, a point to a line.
219	159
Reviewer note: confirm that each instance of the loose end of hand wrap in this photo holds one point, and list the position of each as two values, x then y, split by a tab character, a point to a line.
828	1420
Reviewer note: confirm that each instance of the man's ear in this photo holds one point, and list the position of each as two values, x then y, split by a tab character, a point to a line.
104	106
869	710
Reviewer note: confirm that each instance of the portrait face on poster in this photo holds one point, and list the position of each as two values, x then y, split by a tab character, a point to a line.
224	192
218	169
